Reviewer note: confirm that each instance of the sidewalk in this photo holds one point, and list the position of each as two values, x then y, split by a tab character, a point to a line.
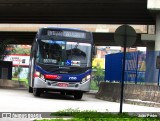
142	103
92	92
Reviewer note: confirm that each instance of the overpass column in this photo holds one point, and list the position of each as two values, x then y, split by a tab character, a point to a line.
151	71
157	41
150	46
151	75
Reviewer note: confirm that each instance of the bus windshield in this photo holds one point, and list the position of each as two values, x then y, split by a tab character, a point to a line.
64	53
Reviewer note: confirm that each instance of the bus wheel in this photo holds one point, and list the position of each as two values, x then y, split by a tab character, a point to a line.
78	95
36	92
30	89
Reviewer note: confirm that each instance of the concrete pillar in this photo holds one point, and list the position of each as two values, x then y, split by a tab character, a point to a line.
151	71
150	46
157	41
151	75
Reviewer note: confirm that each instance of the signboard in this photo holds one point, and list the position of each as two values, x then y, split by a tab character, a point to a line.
64	33
67	34
125	36
158	62
18	60
125	33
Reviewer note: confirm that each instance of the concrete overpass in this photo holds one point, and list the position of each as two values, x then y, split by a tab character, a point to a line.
100	39
74	12
103	34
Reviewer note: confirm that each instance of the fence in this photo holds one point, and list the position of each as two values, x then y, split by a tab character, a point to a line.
140	67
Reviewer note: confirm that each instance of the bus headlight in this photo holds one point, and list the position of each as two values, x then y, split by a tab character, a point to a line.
88	77
37	74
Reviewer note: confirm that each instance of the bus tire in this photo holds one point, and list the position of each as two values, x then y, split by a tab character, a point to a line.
30	89
36	92
78	95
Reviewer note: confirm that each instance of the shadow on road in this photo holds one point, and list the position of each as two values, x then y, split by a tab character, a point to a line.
56	95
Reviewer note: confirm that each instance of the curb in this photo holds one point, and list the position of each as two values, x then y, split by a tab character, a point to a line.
93	92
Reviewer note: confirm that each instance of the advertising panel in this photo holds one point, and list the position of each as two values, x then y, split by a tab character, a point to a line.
18	60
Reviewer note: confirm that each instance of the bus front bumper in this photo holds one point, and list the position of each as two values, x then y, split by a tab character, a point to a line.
47	84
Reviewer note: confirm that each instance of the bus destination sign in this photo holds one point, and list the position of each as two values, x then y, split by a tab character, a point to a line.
73	34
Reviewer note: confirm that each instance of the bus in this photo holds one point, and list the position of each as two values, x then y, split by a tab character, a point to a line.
61	61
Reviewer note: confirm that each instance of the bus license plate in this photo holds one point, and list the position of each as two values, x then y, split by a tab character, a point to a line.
63	84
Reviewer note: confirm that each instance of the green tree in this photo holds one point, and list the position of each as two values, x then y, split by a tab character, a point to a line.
19	50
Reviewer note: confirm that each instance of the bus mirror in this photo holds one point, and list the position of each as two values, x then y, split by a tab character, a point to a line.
34	54
94	50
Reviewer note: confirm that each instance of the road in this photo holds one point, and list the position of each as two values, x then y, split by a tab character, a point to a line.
12	100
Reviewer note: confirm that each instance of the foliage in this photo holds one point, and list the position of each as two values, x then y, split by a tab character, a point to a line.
103	119
94	85
98	75
21	80
19	50
98	71
18	70
66	112
89	115
3	46
76	113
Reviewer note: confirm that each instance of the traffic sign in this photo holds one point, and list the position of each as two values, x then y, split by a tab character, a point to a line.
125	33
125	36
68	62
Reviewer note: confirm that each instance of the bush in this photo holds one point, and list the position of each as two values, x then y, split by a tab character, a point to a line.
98	75
89	115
